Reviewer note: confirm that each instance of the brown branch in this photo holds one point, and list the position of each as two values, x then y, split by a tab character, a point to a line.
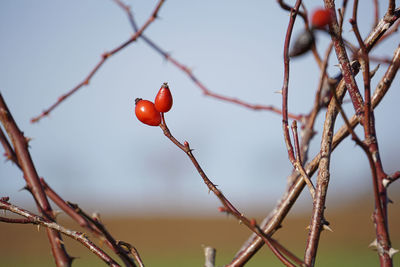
371	141
80	237
9	151
317	220
273	221
298	165
20	147
87	222
103	59
285	86
344	60
228	207
390	179
131	250
286	7
376	12
189	73
391	7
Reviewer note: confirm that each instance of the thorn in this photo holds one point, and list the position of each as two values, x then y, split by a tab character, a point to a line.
38	227
56	213
392	251
27	139
390	201
240	222
373	244
83	235
278	92
5	199
60	241
24	188
308	227
385	182
253	222
326	227
375	70
96	216
105	55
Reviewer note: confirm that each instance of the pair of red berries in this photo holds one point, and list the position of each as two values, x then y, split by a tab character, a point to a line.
150	113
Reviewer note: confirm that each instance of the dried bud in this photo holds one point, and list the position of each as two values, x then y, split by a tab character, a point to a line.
222	209
302	44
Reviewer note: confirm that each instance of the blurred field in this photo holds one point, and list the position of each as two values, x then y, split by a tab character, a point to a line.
180	241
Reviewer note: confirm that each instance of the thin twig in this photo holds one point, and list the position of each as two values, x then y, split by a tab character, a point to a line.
80	237
390	179
344	61
376	12
133	251
9	151
225	202
298	165
209	254
87	222
285	86
371	141
189	73
23	157
103	59
273	221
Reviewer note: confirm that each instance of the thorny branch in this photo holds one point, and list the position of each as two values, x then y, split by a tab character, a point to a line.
92	224
80	237
273	221
84	221
19	153
371	142
228	207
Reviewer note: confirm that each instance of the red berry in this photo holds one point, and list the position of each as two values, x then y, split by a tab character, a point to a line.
163	100
321	17
146	112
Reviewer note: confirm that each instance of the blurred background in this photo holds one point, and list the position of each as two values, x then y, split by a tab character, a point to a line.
93	151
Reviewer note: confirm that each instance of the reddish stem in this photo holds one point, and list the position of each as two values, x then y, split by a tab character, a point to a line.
20	145
185	69
103	59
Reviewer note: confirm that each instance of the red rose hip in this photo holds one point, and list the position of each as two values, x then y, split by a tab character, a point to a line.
321	17
163	100
146	112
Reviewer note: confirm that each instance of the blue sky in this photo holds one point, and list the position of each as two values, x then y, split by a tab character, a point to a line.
93	151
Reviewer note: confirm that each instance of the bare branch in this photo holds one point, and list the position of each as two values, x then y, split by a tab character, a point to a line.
20	147
103	59
80	237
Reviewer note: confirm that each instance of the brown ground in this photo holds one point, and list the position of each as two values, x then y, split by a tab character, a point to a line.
162	240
